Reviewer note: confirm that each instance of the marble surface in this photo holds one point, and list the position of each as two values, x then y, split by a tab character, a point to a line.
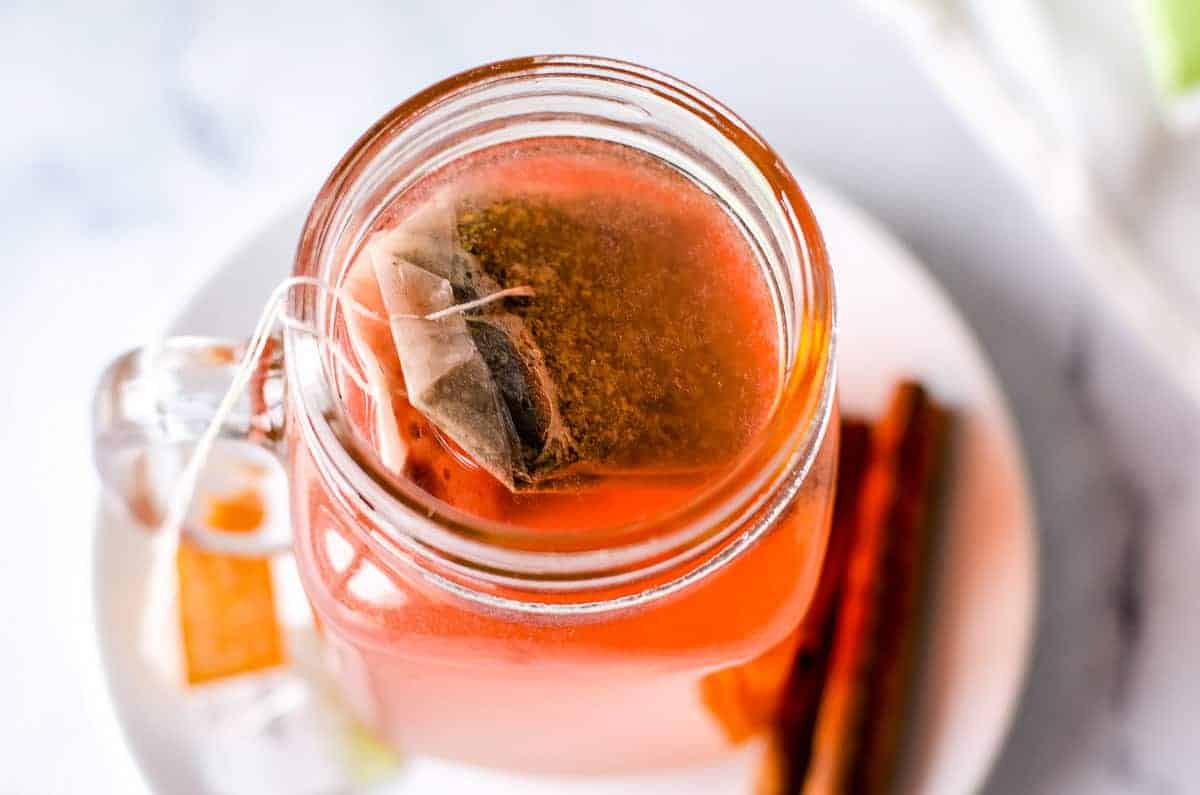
143	140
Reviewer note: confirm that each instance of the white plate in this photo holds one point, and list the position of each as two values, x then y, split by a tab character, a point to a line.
894	322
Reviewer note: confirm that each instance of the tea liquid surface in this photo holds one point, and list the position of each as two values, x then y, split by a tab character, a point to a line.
649	308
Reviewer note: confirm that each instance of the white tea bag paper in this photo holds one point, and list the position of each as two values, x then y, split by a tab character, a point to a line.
477	376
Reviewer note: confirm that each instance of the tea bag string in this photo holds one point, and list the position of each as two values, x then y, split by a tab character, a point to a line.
348	301
185	485
508	292
274	312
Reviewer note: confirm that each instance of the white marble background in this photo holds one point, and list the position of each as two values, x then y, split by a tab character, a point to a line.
140	139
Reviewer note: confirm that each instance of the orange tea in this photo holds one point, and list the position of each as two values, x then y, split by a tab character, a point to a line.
634	370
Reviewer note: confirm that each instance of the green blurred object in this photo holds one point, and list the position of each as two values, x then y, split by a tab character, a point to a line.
1174	27
368	759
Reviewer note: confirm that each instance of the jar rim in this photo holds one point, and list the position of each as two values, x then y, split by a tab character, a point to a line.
721	520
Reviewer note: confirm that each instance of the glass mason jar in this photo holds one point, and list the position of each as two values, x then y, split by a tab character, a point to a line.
663	642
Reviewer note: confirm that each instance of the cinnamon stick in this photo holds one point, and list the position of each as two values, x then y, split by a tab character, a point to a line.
904	584
793	738
731	695
854	739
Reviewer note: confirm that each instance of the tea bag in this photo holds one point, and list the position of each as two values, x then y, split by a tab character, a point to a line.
371	343
478	377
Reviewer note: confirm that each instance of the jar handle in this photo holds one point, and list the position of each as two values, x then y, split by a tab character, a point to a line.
153	405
